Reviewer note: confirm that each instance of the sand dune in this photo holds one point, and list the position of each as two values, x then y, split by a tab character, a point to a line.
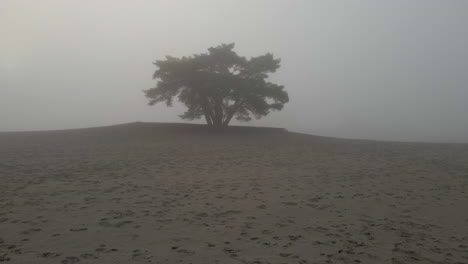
172	193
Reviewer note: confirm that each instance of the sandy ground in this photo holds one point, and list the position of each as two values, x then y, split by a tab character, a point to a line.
161	193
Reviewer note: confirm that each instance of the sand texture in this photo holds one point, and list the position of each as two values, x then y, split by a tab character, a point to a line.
167	193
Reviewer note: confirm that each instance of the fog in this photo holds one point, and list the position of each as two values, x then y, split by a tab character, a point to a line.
386	70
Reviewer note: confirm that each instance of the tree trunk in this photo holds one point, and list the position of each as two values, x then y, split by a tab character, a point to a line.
208	119
218	113
231	113
207	112
228	118
217	122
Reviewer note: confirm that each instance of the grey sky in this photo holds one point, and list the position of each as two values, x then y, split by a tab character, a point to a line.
393	70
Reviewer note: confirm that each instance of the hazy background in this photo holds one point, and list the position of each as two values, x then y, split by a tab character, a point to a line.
393	70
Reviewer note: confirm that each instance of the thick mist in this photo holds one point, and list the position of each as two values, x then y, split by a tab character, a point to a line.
387	70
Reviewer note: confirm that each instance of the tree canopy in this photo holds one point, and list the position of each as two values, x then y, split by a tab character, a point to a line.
219	85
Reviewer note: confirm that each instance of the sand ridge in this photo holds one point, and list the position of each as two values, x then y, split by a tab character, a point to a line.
169	193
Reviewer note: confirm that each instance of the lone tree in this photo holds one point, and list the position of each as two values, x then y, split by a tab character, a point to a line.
219	85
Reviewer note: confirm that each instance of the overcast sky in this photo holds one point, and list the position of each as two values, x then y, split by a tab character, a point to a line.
391	70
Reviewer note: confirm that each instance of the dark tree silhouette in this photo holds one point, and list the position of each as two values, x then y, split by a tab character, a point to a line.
219	85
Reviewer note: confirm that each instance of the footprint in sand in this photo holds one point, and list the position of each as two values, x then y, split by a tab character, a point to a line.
4	257
29	231
183	251
103	248
231	252
88	256
140	255
78	229
70	260
50	255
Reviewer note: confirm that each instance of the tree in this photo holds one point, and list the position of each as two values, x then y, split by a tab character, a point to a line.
219	85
